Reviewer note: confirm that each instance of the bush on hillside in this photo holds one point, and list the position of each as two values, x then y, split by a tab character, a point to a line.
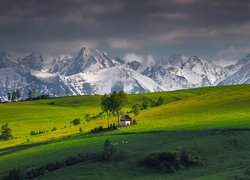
49	167
15	174
75	121
169	162
109	151
136	109
33	133
89	118
247	172
97	129
6	132
147	102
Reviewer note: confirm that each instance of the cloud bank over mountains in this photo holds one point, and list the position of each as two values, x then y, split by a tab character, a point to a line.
212	29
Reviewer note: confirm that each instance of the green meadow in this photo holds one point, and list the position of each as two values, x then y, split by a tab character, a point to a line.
214	121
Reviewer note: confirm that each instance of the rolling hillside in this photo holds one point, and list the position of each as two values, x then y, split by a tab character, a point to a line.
188	118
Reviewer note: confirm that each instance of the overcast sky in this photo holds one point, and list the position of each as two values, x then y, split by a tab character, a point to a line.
213	29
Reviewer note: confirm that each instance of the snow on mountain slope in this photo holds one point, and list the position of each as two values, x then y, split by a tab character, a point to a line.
12	79
6	60
241	76
94	72
238	65
202	72
111	79
180	72
166	77
86	60
31	61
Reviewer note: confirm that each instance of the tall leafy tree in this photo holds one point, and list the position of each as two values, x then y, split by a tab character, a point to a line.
6	132
32	93
118	101
106	105
18	94
136	108
13	97
9	96
113	104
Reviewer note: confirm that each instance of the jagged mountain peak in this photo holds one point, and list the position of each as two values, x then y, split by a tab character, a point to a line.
86	60
83	51
6	60
92	71
177	59
31	61
244	60
5	54
134	64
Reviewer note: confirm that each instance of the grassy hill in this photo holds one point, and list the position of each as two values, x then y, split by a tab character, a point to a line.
186	119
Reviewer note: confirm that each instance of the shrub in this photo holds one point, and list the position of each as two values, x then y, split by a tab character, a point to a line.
15	174
72	160
6	132
134	121
87	118
80	129
109	151
159	101
32	133
112	126
169	162
100	128
75	121
144	105
136	109
147	102
52	103
54	129
43	96
247	172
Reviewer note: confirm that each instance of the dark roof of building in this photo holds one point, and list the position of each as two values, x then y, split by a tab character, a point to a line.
126	118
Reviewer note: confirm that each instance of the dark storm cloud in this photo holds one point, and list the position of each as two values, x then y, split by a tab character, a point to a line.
64	25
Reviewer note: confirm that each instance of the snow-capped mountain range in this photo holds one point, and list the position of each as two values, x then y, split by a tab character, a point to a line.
92	71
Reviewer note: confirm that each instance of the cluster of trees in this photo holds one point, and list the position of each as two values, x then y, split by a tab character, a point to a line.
170	162
97	129
109	153
6	132
42	96
32	133
100	128
112	104
146	103
89	118
14	96
18	174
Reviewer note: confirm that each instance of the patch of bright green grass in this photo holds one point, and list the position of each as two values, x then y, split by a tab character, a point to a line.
182	121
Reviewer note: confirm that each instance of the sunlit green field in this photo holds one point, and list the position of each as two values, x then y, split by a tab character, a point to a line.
182	120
